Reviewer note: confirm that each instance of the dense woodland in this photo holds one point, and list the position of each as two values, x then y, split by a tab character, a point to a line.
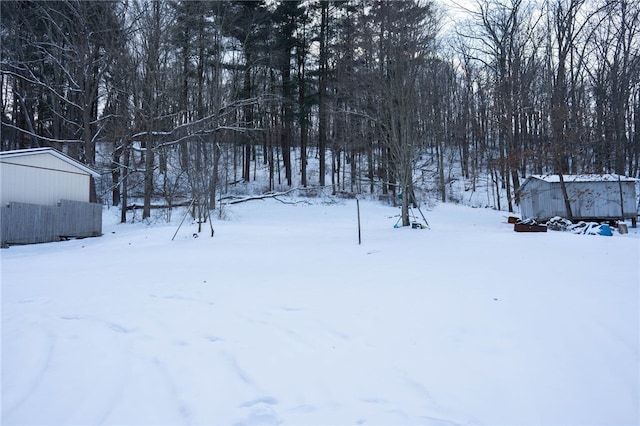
183	100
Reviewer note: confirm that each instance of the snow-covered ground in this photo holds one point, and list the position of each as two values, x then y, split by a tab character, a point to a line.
282	318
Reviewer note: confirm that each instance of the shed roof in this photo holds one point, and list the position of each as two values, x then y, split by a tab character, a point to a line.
32	151
608	177
583	178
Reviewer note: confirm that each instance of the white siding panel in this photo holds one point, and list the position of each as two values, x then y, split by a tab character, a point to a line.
47	161
42	179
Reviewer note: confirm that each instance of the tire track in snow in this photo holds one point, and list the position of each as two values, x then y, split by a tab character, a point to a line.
181	407
36	381
241	373
423	391
259	411
99	402
442	414
110	324
123	377
95	402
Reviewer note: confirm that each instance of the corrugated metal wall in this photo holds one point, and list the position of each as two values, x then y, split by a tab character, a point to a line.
540	200
589	200
42	179
602	199
22	223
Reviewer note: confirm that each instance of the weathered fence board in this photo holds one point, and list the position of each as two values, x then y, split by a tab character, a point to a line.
22	223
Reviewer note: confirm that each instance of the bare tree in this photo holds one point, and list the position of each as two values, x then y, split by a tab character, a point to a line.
566	29
56	57
615	41
406	35
503	38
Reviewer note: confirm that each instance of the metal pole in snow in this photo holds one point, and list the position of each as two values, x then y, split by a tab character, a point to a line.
183	218
359	233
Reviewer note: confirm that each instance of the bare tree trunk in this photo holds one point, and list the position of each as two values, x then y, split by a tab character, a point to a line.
150	99
565	196
148	177
322	93
125	179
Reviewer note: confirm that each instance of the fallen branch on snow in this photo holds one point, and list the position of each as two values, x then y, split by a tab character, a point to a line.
265	196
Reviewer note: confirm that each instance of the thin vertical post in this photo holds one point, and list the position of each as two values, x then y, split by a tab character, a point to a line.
359	233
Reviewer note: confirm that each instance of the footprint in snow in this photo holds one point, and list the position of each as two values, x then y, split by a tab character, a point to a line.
261	412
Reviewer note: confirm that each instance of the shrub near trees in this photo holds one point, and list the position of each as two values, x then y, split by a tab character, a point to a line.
185	98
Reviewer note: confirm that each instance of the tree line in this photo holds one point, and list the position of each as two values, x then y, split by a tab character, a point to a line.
183	99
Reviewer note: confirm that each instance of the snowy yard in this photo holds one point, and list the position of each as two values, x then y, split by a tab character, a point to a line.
282	318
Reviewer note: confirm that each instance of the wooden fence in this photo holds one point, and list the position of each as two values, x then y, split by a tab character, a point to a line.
22	223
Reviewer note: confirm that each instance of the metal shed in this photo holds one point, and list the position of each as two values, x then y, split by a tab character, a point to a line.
592	197
46	195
